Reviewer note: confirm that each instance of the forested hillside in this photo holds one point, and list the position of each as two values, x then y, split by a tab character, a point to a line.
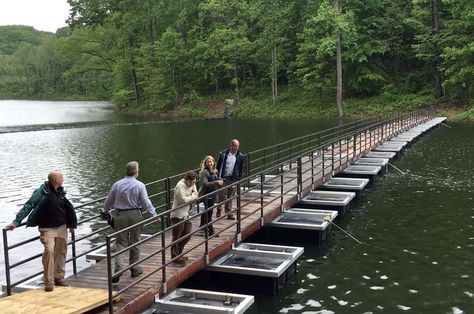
164	54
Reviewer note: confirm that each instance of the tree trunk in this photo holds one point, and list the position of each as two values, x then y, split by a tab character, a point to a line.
273	70
276	73
135	86
437	78
237	95
340	107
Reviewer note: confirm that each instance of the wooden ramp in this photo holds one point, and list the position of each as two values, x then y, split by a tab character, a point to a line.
61	300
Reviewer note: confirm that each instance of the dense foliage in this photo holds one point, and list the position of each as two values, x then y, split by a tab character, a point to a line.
165	54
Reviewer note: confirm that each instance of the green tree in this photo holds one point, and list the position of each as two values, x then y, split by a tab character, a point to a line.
458	50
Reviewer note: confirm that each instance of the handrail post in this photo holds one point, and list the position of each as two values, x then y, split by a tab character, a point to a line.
262	179
340	152
300	177
239	216
73	248
332	159
163	254
312	168
109	275
247	170
354	144
7	261
322	157
281	192
167	200
347	149
206	230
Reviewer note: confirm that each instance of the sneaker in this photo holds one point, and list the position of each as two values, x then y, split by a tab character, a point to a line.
230	217
136	272
60	283
49	287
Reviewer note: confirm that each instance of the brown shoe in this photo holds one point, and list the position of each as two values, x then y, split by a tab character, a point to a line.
136	272
60	283
48	287
230	217
218	214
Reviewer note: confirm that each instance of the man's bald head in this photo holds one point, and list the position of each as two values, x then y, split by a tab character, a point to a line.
234	146
55	178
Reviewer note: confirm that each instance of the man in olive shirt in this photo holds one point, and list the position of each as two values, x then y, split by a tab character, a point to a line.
128	196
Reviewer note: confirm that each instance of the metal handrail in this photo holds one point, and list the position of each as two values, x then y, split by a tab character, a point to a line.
285	153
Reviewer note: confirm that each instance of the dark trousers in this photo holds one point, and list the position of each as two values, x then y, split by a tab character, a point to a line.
207	217
179	230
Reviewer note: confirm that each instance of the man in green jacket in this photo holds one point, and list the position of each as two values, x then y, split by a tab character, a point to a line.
49	209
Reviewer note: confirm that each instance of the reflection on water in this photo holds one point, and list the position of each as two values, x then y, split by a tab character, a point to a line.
28	113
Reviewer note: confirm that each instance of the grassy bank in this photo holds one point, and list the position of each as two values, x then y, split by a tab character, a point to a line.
297	103
300	104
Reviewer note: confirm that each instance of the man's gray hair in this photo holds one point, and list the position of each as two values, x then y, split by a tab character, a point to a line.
132	168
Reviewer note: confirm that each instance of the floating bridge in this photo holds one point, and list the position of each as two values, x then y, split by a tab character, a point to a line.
277	178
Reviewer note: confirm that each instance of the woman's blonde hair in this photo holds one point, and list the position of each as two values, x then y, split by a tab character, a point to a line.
203	163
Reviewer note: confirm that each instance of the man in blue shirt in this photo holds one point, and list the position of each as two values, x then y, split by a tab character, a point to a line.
128	196
230	167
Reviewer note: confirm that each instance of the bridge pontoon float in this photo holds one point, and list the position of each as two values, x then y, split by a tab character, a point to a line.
387	155
405	137
249	270
302	225
332	200
386	147
360	171
201	302
396	143
382	162
356	185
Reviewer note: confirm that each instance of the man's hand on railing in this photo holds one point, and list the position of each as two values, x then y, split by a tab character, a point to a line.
72	230
10	226
157	218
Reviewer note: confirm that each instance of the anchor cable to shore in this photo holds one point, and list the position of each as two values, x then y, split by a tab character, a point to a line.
396	168
350	235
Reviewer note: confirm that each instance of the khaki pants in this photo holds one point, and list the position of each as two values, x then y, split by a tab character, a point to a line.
179	231
226	195
54	255
124	219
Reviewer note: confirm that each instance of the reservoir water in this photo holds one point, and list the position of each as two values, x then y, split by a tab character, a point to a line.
416	228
